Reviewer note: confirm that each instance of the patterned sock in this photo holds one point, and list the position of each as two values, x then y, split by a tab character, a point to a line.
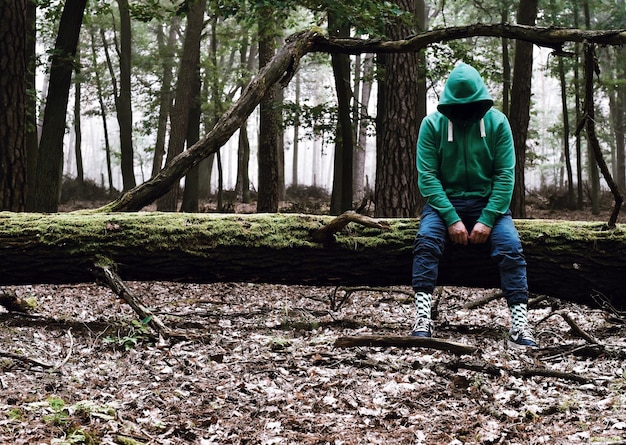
423	303
519	315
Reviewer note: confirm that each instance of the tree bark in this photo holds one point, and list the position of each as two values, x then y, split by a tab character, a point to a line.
50	160
12	107
575	261
397	127
269	119
123	102
519	113
341	198
185	90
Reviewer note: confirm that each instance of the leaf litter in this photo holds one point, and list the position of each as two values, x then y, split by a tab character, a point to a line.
259	367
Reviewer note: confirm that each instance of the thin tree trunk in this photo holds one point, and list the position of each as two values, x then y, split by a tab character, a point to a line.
341	199
246	62
78	153
364	121
506	67
592	161
579	161
187	73
571	196
165	103
620	139
123	101
519	114
103	111
50	161
296	135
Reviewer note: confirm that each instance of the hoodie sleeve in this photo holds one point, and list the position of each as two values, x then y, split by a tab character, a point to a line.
504	175
429	181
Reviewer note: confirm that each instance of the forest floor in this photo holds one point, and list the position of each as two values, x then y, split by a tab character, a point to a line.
260	367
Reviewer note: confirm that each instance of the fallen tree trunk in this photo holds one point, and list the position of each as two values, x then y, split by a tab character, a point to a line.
575	261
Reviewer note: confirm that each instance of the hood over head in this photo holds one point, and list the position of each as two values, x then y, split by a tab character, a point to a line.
465	97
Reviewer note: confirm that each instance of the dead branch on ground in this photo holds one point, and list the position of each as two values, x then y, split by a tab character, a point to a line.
106	274
24	359
576	330
497	371
386	341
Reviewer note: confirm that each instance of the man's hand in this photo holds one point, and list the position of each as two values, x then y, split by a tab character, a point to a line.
480	233
458	233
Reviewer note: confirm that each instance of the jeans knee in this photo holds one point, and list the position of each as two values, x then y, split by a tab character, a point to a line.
511	261
428	244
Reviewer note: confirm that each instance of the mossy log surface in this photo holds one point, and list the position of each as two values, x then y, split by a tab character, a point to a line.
569	260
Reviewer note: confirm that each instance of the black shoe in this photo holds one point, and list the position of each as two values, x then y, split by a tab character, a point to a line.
423	327
522	337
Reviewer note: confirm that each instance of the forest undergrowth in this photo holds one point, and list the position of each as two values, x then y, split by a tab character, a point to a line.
259	365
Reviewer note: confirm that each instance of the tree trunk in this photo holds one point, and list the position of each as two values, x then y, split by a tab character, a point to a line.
192	180
269	120
360	185
592	161
187	73
341	199
103	110
519	114
166	51
78	152
571	260
123	102
32	137
397	128
50	161
13	105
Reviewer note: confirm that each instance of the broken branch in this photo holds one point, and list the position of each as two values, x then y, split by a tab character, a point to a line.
404	342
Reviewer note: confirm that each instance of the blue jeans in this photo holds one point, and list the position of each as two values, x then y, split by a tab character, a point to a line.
505	248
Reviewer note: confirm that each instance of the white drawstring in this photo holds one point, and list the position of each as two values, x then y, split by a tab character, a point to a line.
483	132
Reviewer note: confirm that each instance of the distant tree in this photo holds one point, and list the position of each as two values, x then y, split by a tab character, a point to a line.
185	87
50	160
341	199
166	50
13	121
123	101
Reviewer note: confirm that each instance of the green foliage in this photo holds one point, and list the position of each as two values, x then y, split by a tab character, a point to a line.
130	334
321	119
59	414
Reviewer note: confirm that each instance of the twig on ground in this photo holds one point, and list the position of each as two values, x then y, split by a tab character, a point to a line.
496	371
24	359
105	273
70	350
482	301
404	342
576	330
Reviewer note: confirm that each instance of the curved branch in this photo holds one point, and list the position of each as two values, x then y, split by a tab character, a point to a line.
551	37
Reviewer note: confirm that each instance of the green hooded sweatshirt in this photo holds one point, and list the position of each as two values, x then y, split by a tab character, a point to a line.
465	150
